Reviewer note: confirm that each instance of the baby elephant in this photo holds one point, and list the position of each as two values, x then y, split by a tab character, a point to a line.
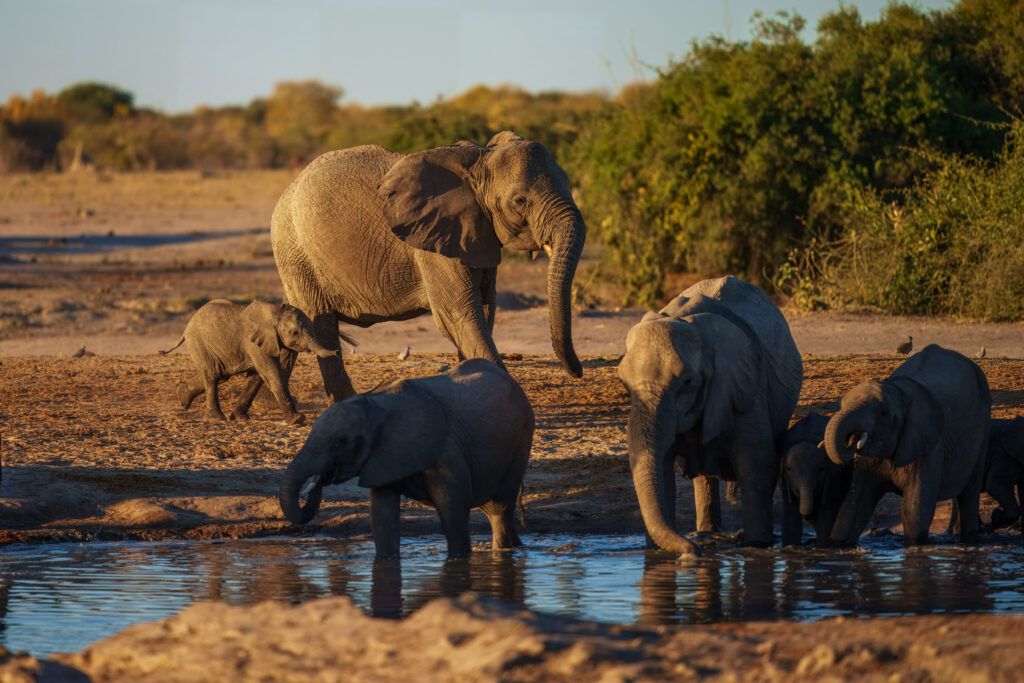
260	341
813	487
1004	470
455	441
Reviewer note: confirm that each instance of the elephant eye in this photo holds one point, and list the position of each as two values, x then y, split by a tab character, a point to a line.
519	201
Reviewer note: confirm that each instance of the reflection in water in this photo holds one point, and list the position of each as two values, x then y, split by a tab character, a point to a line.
94	590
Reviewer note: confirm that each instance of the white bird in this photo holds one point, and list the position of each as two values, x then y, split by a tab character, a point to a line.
981	354
405	353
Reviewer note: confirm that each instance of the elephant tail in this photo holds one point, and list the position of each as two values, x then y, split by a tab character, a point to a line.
180	342
521	507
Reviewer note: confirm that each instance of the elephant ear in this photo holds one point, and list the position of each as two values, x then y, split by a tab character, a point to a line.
259	325
412	431
1012	439
503	137
429	203
732	366
922	422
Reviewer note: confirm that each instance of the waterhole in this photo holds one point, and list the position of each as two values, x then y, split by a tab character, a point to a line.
63	597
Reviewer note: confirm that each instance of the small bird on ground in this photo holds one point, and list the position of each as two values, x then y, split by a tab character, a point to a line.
906	347
405	353
79	353
981	354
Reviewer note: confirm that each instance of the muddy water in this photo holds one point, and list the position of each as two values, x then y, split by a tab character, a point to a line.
64	597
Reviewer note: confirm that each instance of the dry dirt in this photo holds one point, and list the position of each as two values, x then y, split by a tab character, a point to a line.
95	447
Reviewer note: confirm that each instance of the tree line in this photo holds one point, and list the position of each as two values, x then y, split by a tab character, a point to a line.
881	164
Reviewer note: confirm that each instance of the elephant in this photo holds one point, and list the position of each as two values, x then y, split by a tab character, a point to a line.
713	379
260	340
1004	470
813	487
455	441
364	235
921	432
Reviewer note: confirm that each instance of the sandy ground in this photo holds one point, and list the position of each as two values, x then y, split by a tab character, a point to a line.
95	446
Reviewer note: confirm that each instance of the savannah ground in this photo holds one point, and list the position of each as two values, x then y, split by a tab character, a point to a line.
96	447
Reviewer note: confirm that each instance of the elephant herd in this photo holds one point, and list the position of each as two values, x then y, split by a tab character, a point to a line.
366	235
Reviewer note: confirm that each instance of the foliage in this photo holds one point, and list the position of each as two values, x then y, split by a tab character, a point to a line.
951	244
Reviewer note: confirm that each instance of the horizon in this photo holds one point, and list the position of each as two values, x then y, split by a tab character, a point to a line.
228	54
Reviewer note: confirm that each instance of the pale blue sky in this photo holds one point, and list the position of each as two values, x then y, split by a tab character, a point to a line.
177	54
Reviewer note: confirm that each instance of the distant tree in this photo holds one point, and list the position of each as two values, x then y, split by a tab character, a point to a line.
299	116
96	101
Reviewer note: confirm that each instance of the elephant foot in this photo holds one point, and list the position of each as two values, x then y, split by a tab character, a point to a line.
239	415
215	416
295	419
184	395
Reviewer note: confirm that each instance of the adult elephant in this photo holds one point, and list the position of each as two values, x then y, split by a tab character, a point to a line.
713	379
365	235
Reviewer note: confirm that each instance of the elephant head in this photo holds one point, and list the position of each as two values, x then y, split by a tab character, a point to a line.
682	376
271	327
805	463
1005	468
897	420
467	201
381	438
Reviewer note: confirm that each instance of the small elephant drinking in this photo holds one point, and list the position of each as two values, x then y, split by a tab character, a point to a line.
456	441
260	341
921	432
713	379
1004	470
813	487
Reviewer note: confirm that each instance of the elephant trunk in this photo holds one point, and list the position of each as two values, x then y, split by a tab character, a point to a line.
303	478
309	339
806	499
845	432
650	441
566	248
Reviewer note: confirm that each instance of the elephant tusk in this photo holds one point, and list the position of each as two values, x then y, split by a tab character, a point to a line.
821	444
310	484
862	442
547	249
534	255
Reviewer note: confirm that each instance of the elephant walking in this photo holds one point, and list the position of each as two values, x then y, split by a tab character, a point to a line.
260	341
921	432
365	235
713	379
455	441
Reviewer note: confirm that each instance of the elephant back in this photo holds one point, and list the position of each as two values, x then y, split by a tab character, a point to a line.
771	331
953	379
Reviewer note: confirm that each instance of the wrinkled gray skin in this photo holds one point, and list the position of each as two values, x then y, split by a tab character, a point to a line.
365	235
455	441
813	487
713	379
1004	470
922	432
260	340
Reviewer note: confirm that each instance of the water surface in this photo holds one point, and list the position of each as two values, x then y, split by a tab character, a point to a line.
62	597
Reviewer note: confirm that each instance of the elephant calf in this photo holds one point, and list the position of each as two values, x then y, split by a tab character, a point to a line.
1004	470
921	432
813	487
455	441
260	341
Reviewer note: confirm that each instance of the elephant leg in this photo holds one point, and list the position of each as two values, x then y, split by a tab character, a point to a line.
336	381
500	510
706	498
447	491
384	521
457	306
240	412
270	372
489	295
917	510
213	411
757	471
865	492
501	515
793	524
186	393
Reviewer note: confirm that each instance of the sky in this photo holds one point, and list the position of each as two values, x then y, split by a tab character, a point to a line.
175	55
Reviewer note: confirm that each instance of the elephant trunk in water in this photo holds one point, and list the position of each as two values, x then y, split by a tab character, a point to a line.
566	245
304	478
650	441
847	430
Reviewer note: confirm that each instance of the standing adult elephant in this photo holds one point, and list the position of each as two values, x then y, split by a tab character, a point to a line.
713	379
365	235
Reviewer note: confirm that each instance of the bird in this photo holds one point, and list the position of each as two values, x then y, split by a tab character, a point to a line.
906	347
405	353
981	354
79	353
